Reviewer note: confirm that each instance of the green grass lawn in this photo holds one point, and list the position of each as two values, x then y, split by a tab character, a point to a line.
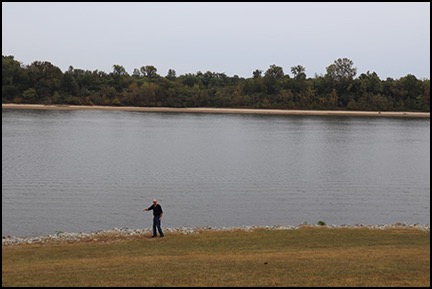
302	257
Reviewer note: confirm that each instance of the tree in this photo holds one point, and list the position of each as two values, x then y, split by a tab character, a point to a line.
275	72
136	73
257	73
341	69
410	90
171	74
42	82
13	78
299	72
426	95
149	71
45	78
272	79
120	78
69	85
370	82
119	70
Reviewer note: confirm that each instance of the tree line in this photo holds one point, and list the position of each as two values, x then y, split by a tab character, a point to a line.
41	82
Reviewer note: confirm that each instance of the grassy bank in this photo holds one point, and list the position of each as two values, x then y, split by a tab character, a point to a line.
302	257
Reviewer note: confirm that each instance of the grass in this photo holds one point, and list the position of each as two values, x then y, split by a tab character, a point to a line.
308	256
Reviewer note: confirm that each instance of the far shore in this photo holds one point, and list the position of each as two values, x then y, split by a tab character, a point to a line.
222	110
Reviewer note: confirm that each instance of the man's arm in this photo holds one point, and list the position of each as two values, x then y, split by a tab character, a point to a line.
149	208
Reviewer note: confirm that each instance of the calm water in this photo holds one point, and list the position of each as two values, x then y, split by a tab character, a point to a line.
84	171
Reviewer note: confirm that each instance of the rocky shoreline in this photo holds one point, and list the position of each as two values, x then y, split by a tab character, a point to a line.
122	233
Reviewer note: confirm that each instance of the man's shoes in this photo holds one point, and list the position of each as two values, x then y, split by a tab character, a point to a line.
153	236
162	236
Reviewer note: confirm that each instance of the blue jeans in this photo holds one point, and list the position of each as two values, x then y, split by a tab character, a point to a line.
157	224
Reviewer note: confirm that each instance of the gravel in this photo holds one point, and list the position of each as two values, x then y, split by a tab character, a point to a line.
125	232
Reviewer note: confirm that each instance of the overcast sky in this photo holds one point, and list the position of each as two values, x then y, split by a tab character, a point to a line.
391	39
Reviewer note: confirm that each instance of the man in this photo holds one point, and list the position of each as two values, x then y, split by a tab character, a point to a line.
157	217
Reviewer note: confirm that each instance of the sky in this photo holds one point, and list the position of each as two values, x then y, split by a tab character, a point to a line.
391	39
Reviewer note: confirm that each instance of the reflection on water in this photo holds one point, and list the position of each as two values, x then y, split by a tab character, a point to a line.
81	171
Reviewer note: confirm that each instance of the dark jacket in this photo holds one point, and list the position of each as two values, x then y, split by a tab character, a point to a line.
157	210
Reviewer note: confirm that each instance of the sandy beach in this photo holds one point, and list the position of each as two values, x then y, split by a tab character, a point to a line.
222	110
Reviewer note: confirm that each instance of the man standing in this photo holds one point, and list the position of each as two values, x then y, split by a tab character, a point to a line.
157	217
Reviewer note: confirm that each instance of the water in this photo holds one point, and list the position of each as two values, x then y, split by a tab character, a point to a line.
84	171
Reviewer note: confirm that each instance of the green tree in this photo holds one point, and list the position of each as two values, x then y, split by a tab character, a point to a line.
272	80
13	78
45	78
340	74
425	99
136	73
119	70
149	71
257	73
341	69
410	90
68	85
299	72
370	82
30	96
274	71
171	75
42	82
120	78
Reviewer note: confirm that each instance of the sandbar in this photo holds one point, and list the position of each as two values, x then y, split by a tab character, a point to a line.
222	110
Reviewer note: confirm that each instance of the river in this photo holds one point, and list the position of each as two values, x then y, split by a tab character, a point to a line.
83	171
